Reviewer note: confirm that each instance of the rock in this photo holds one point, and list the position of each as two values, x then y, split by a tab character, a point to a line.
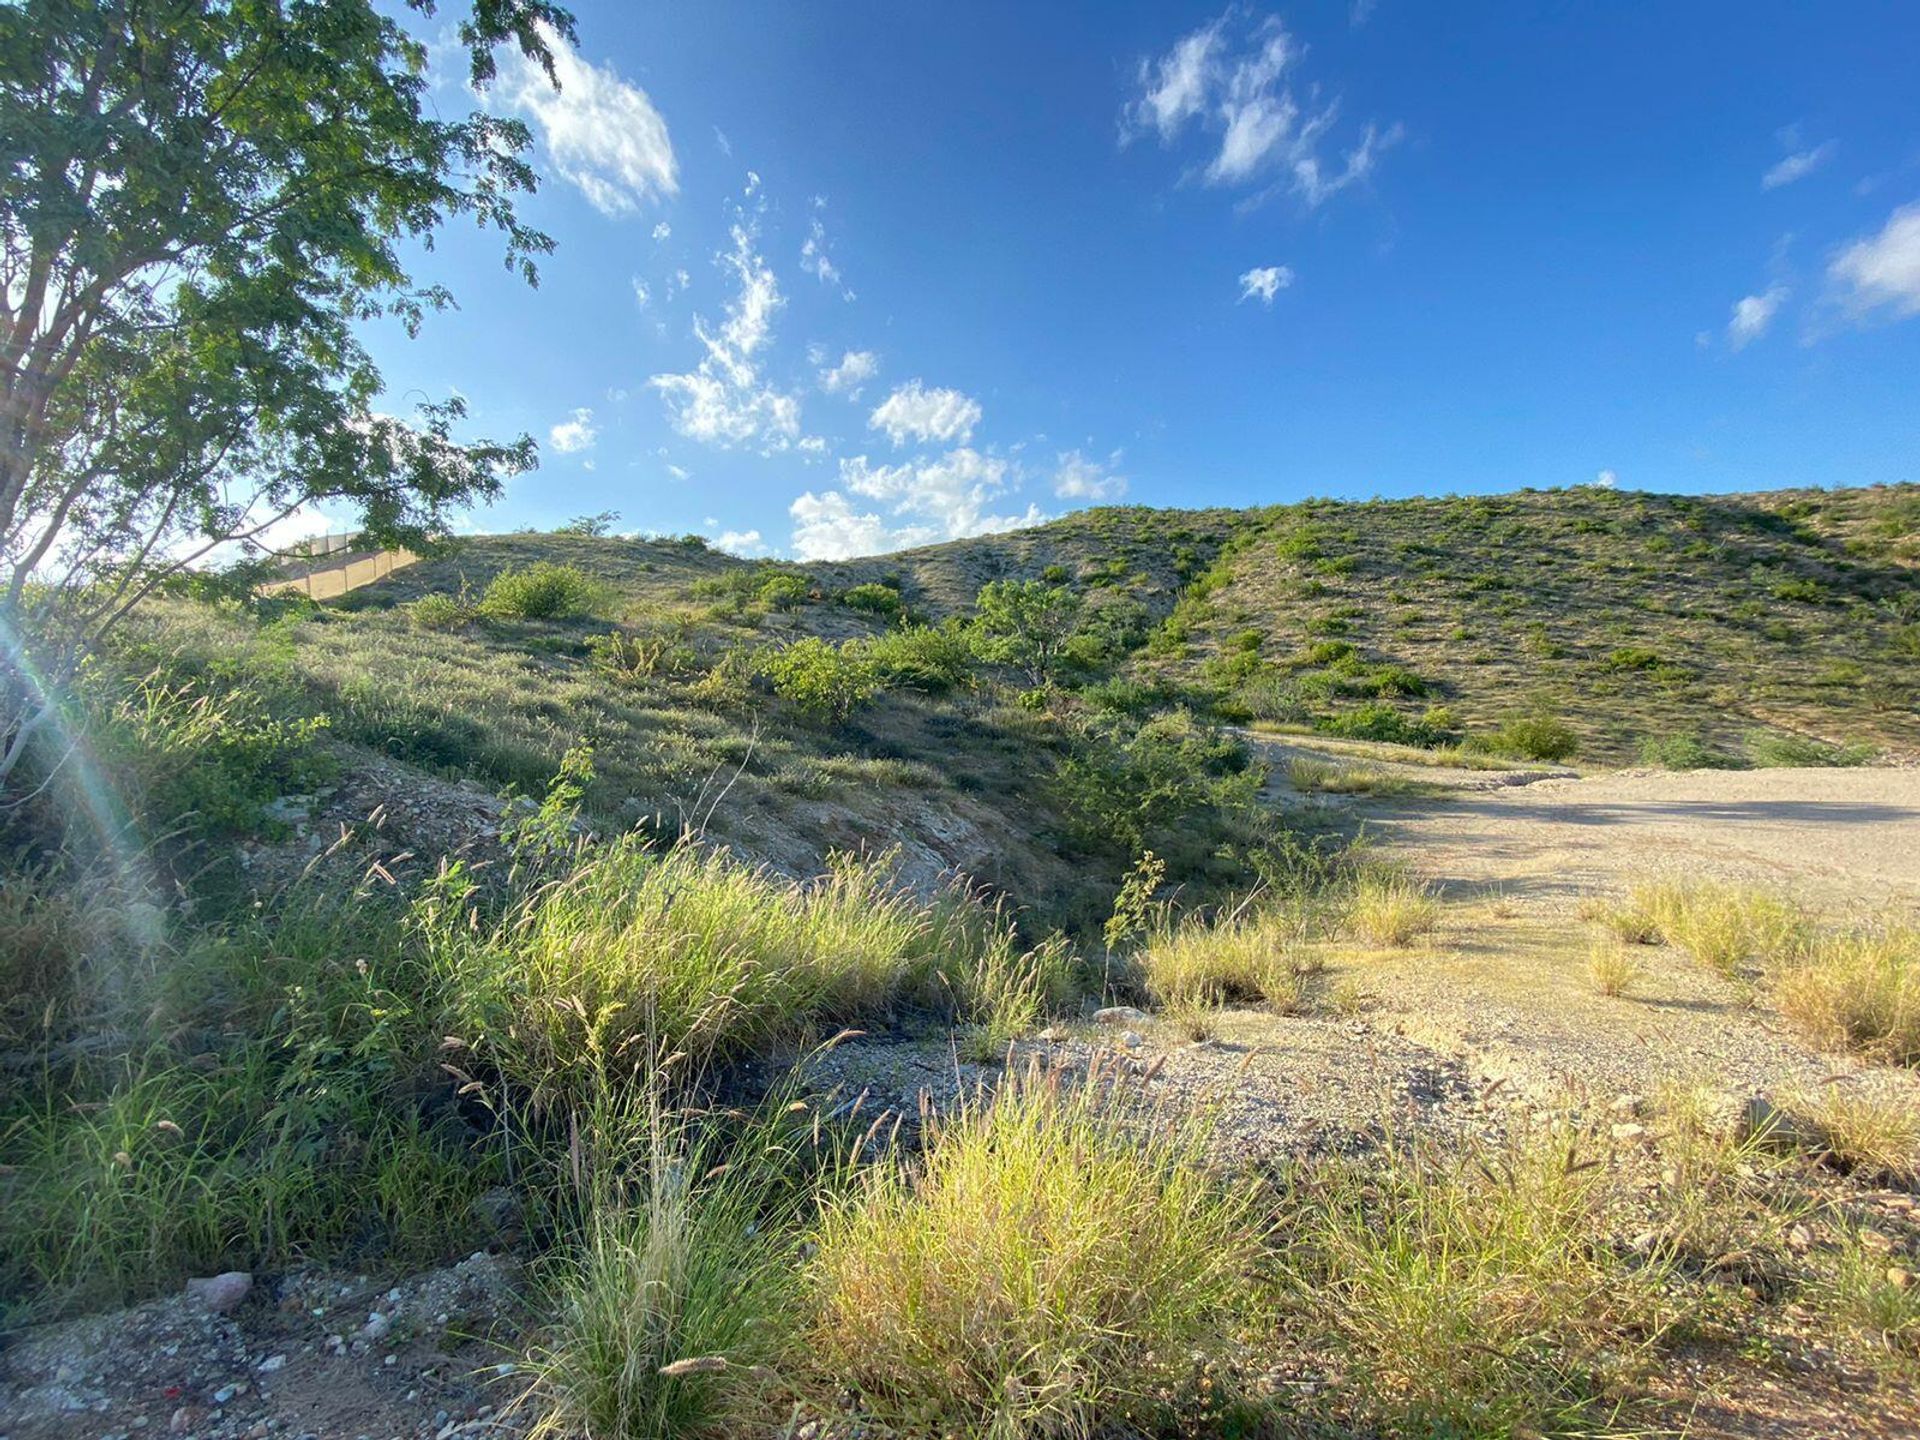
271	1364
220	1293
1761	1122
1133	1039
377	1326
1628	1131
1900	1279
1119	1015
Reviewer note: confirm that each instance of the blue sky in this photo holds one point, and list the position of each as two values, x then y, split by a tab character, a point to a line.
837	278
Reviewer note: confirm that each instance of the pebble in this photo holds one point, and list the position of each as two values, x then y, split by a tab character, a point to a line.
1119	1015
271	1363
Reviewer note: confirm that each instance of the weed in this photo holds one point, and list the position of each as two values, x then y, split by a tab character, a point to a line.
1041	1270
1726	927
1861	1131
1389	908
1610	968
1772	748
542	591
1257	957
1857	991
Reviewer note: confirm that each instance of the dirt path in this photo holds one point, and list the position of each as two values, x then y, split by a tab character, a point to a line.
1838	838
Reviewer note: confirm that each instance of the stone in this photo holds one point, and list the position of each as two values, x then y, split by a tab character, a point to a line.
271	1364
1900	1279
1628	1131
220	1293
1119	1015
377	1326
1133	1039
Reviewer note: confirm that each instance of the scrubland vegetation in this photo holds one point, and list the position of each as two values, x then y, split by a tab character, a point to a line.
232	1041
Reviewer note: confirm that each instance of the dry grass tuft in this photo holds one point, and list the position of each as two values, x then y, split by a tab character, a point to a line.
1861	1131
1391	909
1725	927
1041	1270
1259	958
1858	991
1610	968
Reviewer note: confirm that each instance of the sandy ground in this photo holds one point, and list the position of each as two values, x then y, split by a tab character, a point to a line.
1838	838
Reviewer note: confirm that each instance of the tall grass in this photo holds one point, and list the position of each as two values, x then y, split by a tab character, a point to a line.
695	951
1857	991
673	1295
1040	1271
1260	957
1391	909
1725	927
1469	1294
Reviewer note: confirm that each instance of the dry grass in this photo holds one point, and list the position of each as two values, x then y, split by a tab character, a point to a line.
1858	991
1038	1271
1725	927
1874	1135
1610	968
1391	910
1259	958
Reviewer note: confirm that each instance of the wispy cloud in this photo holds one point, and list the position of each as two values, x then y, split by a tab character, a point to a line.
726	400
1881	272
1799	162
1264	282
814	258
602	132
916	412
1753	314
1229	78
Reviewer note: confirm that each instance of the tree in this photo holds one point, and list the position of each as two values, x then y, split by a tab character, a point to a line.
1025	623
200	203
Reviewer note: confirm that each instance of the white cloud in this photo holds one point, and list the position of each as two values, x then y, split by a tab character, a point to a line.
725	400
662	231
1883	270
1797	164
856	367
574	434
915	503
1752	314
1264	282
1078	477
641	293
603	133
1234	87
814	258
914	412
740	542
1607	480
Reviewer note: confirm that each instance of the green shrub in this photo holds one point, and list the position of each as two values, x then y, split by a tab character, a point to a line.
1773	749
1127	788
932	659
1530	737
1685	752
1379	721
783	591
827	682
542	591
875	599
439	612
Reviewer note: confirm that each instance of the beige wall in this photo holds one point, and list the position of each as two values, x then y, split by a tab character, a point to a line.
332	584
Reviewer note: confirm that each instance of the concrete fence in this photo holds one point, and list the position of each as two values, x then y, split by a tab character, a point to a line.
332	583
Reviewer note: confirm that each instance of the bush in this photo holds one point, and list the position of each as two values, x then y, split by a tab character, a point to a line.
923	657
1685	752
827	682
1044	1272
1531	737
438	612
783	591
1125	788
542	591
1773	749
1378	721
875	599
